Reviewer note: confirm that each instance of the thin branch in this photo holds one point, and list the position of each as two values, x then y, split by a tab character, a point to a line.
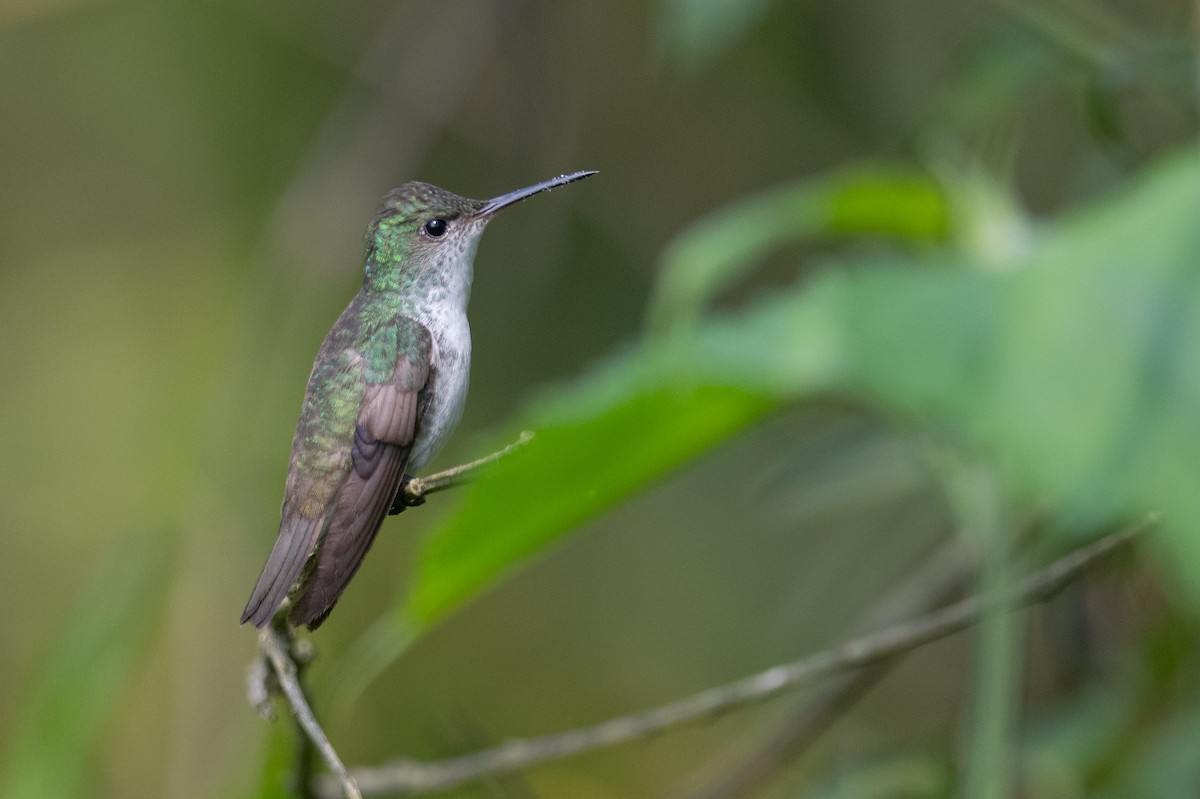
276	643
415	489
939	578
407	777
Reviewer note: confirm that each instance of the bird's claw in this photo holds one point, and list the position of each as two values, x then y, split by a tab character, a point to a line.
402	500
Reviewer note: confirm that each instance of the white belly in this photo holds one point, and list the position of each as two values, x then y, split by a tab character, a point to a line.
451	376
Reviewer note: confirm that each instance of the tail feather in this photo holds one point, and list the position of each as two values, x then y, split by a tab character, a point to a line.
297	538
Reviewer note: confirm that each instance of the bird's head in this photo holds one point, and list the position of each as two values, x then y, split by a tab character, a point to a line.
423	230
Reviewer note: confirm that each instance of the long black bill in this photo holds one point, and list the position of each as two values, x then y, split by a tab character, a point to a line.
504	200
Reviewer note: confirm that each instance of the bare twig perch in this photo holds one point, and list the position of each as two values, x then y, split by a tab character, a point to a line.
276	643
408	777
416	488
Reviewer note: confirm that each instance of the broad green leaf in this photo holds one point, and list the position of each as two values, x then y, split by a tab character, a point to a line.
571	472
1076	375
67	710
723	247
1100	351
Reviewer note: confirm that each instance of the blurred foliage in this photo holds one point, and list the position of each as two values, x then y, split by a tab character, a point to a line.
1063	373
718	251
696	32
905	270
80	688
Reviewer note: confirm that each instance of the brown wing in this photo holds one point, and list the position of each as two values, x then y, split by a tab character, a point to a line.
387	425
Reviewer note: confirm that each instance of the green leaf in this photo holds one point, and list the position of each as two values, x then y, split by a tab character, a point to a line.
571	472
1076	375
718	250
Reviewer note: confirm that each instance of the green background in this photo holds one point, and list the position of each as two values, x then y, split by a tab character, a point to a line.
855	279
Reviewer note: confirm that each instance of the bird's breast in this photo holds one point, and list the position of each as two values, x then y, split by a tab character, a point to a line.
449	379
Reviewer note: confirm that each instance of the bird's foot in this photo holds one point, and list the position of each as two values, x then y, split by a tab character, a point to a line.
403	500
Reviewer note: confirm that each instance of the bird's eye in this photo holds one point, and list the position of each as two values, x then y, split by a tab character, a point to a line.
435	228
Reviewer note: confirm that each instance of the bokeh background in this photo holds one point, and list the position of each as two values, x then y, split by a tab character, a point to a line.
183	193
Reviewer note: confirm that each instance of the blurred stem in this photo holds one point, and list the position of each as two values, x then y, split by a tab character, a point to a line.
407	777
940	576
981	507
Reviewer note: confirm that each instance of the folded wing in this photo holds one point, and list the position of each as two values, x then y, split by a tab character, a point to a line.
328	526
382	443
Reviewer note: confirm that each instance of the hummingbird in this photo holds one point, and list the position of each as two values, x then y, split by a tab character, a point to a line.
386	390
